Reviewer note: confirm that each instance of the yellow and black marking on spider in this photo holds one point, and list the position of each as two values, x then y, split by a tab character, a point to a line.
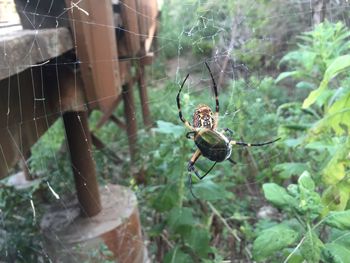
211	143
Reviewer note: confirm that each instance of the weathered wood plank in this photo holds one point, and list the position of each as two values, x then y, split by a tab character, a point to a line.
23	49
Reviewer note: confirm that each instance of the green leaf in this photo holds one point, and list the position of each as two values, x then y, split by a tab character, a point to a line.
198	240
335	169
180	220
337	117
314	95
273	240
309	199
284	75
311	247
306	181
336	197
210	191
169	128
338	65
339	219
305	85
335	253
277	195
176	255
287	170
166	198
340	237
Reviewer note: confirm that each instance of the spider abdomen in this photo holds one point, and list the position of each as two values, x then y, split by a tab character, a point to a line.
213	145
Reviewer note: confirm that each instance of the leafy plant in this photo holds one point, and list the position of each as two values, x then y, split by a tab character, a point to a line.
304	234
320	127
322	62
20	239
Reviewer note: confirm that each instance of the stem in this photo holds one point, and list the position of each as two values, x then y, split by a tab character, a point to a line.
294	250
233	231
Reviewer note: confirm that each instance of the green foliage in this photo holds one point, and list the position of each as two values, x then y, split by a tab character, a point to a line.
316	51
257	40
312	159
166	152
273	240
308	234
326	48
319	63
20	239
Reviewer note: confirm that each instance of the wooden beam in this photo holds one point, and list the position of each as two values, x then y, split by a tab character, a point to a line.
83	165
96	48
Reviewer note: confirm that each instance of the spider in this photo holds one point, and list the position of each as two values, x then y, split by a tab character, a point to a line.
211	143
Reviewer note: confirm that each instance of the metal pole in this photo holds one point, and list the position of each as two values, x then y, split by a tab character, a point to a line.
83	165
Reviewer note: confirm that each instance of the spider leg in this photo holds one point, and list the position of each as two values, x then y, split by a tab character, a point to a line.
253	144
188	135
193	169
190	186
229	131
188	125
217	106
231	161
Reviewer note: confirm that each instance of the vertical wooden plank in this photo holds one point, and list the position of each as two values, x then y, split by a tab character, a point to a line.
144	96
131	35
96	48
129	111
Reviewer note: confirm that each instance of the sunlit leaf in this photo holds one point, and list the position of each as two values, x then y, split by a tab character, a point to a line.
284	75
338	65
337	117
314	95
334	171
336	197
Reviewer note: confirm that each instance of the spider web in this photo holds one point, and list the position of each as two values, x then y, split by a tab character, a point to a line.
189	41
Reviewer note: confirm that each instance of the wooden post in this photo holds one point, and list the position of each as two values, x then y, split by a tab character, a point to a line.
25	166
83	165
143	96
129	111
318	11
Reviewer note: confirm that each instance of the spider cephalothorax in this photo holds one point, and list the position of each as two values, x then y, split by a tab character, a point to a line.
203	117
211	143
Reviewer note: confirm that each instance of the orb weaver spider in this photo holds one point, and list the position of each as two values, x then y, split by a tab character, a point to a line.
211	143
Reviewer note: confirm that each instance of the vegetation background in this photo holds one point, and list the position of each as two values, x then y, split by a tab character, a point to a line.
283	71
